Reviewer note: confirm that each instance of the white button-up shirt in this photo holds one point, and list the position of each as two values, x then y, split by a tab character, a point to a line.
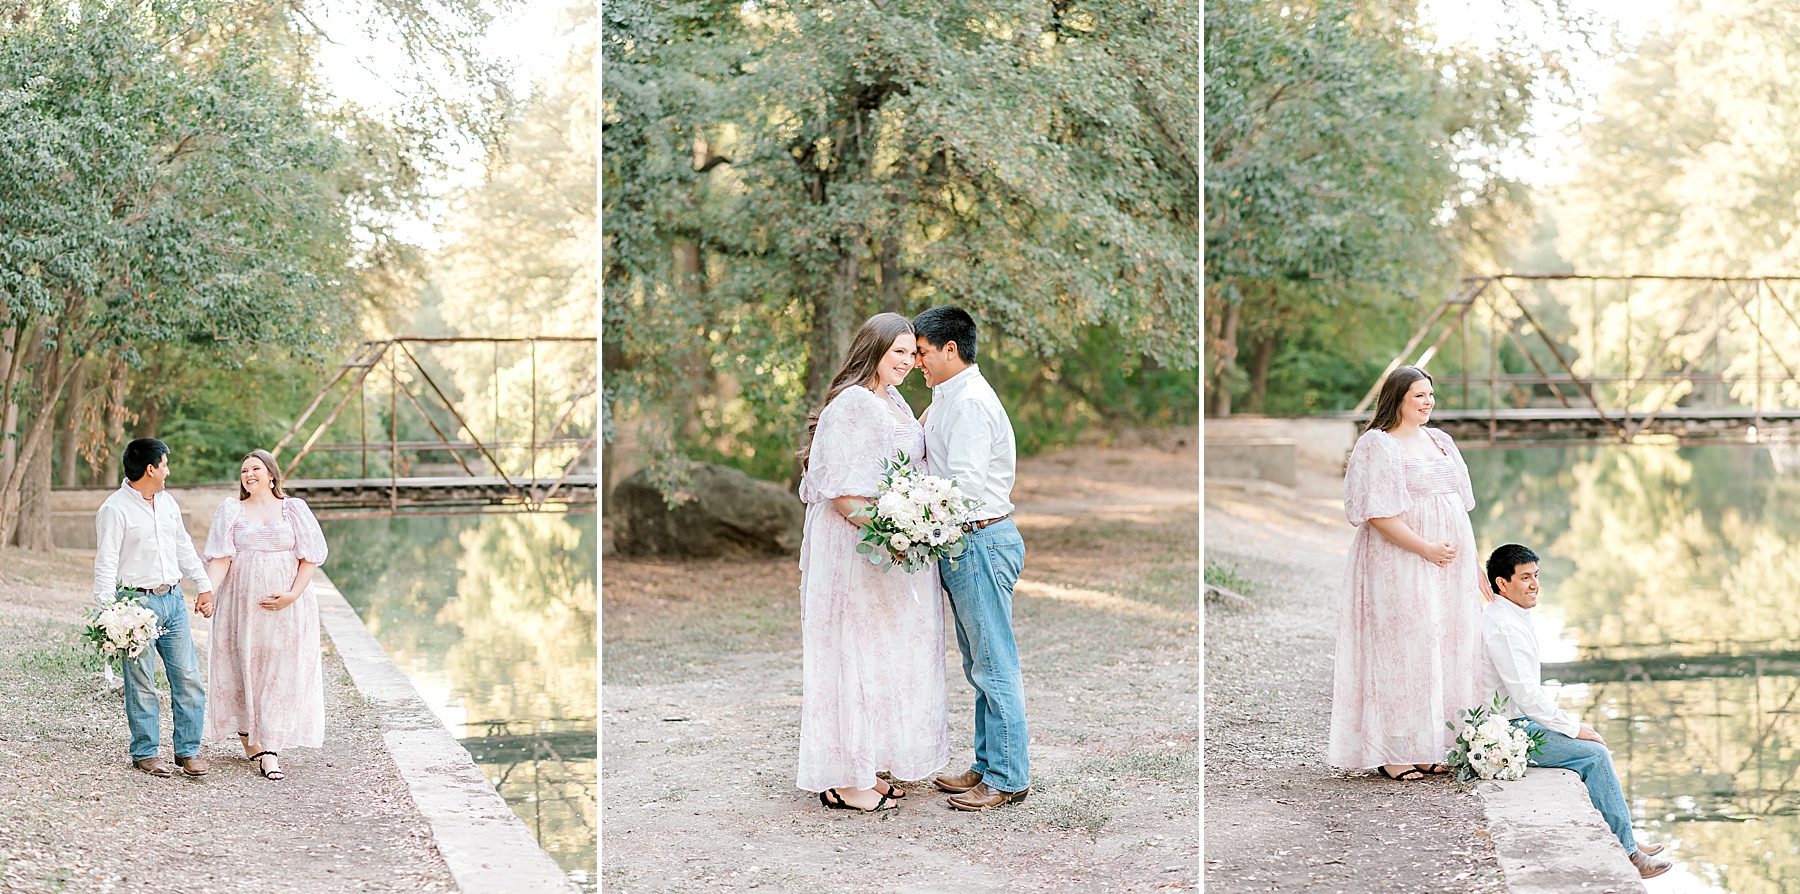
143	545
1510	667
969	440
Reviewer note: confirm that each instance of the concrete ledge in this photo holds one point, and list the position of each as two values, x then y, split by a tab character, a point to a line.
1270	459
1550	839
488	849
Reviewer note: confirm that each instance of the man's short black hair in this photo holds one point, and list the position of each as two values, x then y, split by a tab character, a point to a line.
1506	561
944	324
141	454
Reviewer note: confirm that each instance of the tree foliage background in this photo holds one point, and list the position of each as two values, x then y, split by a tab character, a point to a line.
774	173
1354	169
195	229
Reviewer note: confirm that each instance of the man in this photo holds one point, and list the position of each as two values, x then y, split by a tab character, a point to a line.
1510	667
969	439
143	551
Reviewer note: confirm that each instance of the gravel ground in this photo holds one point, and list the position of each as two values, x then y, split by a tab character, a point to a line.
1277	817
76	817
701	698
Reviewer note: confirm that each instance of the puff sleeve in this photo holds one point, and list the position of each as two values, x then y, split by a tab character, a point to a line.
1375	480
855	434
309	538
220	544
1464	487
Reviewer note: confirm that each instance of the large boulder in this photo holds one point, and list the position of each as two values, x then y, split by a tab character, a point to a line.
732	515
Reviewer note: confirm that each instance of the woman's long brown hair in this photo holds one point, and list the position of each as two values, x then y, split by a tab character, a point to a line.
1393	393
274	474
860	365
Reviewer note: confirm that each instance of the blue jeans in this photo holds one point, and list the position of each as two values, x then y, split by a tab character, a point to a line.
1594	764
980	589
143	709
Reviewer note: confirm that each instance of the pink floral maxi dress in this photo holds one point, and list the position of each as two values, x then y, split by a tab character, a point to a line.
873	639
1407	641
264	665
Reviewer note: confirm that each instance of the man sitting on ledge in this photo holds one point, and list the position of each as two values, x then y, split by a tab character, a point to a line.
1510	667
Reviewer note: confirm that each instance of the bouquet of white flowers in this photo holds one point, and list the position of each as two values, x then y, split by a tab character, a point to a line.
123	629
916	519
1488	746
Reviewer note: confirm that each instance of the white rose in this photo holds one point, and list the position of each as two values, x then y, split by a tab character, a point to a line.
900	542
892	504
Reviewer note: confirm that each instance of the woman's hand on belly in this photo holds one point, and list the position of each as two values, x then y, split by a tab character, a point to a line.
277	601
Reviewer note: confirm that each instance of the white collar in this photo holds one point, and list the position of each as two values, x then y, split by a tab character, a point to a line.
955	383
132	492
1518	612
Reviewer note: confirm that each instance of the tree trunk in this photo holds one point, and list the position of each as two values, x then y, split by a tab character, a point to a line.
35	531
13	347
1226	356
690	277
118	379
1260	354
53	375
893	285
68	460
150	418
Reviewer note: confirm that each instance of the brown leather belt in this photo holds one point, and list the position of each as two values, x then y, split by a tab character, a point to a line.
979	525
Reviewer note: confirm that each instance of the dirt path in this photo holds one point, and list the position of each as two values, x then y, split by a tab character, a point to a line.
701	696
1277	817
75	816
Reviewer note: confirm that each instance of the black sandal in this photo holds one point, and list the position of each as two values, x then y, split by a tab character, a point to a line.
272	775
894	791
1410	774
1433	769
836	801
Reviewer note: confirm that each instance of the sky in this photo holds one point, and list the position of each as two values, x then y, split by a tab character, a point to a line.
370	71
1544	162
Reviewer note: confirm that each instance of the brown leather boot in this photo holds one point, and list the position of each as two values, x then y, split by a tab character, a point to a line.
957	783
153	765
1648	866
981	798
192	765
1649	850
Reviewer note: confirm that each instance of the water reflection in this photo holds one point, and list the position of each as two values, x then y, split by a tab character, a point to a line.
1669	617
492	618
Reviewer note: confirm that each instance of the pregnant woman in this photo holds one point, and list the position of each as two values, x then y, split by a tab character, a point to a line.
1407	647
266	686
873	696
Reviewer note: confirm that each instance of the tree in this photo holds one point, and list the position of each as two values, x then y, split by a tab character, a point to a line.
151	194
776	172
1347	160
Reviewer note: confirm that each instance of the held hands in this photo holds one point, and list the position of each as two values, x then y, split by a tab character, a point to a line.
1589	733
1439	554
277	601
203	604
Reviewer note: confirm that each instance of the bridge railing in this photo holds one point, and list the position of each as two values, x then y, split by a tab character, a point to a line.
458	421
1519	358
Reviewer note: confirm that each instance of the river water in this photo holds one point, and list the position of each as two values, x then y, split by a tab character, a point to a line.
1671	617
492	618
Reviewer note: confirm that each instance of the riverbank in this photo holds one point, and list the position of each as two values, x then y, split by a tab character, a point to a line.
1277	817
701	676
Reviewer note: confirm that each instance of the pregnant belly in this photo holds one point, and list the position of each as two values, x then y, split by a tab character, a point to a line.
1440	518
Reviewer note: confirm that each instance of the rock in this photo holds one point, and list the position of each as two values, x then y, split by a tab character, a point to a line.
732	515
